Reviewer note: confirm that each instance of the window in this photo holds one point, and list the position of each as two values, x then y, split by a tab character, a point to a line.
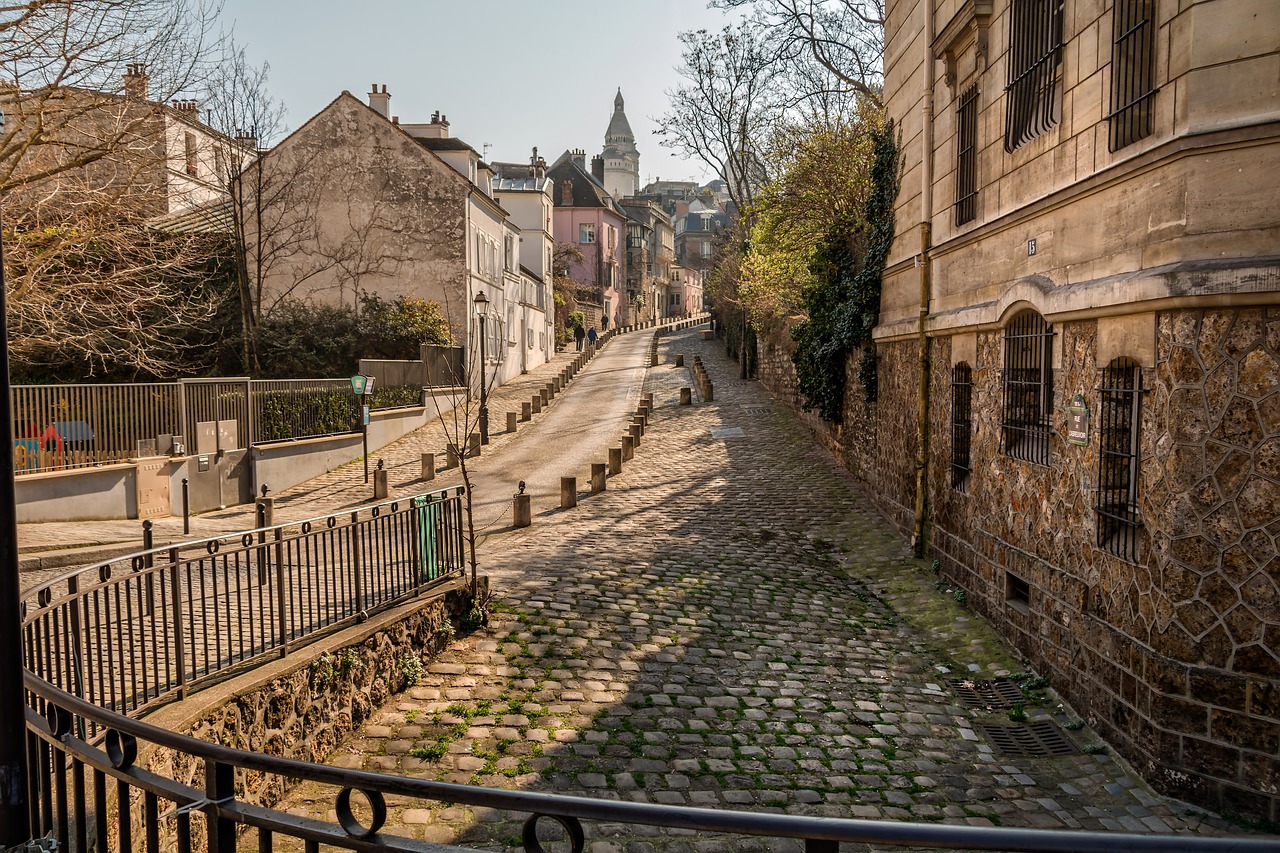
1028	387
961	425
191	154
586	232
612	235
704	249
1035	57
509	253
1119	520
1133	71
511	325
967	156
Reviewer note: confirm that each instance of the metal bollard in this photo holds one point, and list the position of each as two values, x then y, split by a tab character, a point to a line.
186	506
568	492
428	466
598	481
511	421
615	460
521	511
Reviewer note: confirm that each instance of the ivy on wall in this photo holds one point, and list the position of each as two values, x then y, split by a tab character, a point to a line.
843	308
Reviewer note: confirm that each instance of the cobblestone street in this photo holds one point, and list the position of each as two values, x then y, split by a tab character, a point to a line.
730	625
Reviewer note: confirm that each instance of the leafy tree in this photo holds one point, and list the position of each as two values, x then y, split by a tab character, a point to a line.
398	329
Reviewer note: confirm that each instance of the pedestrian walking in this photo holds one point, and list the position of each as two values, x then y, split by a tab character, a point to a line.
578	335
591	336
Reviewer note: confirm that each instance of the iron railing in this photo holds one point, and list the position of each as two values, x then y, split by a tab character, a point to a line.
961	425
284	409
1119	519
967	156
1035	55
1133	72
127	633
1028	388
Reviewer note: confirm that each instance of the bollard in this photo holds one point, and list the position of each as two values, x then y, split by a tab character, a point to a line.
686	396
653	360
380	489
628	448
615	461
186	506
638	420
636	431
266	511
473	448
511	421
526	411
551	390
556	385
568	492
451	456
428	466
679	359
536	404
648	398
598	477
521	511
708	394
545	396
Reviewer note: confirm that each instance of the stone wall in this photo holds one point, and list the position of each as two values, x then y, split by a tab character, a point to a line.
1174	657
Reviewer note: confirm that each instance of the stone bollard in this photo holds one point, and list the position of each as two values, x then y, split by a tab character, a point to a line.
551	390
686	396
521	511
636	431
568	492
628	448
545	397
648	398
556	385
598	473
511	421
639	420
615	460
653	360
536	404
473	446
428	466
680	359
451	456
707	335
380	488
526	411
708	393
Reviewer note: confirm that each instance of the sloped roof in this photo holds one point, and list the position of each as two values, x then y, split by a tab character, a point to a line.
618	124
587	191
212	218
446	143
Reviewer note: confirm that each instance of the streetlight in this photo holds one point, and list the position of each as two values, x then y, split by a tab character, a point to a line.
482	308
15	827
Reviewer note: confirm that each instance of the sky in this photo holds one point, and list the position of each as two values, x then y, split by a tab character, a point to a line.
509	73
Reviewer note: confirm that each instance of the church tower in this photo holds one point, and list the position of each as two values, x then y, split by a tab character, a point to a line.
621	157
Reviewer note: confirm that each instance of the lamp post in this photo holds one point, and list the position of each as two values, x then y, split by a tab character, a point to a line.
362	385
15	828
482	309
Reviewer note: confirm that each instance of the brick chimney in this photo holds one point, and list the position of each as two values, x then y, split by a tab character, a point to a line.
579	158
380	101
597	168
566	193
188	109
137	83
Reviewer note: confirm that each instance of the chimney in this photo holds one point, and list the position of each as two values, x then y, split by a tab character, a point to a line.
246	140
380	101
187	109
566	193
395	119
597	168
137	83
579	158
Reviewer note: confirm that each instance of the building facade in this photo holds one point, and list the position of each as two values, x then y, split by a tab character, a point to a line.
588	218
1088	209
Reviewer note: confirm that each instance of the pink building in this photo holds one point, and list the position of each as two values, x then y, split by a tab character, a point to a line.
589	219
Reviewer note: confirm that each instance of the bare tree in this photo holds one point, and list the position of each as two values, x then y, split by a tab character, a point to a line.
844	37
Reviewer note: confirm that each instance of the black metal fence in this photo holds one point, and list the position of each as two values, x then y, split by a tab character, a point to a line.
127	633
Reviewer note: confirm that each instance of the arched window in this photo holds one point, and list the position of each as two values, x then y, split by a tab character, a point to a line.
1028	388
961	425
1119	520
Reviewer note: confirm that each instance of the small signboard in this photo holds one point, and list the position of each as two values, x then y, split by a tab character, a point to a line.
364	413
1078	422
202	463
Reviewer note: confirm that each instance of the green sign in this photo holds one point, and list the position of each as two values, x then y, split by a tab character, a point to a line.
1078	422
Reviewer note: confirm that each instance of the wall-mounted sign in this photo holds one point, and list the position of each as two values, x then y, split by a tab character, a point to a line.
202	463
1078	421
1031	247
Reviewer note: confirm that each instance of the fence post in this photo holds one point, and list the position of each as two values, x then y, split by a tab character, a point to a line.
356	555
282	593
148	542
219	786
179	650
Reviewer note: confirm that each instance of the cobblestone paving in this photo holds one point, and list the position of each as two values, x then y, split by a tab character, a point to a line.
729	625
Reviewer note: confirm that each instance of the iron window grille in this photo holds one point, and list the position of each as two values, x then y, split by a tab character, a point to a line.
961	425
1028	388
1035	55
967	156
1119	519
1133	72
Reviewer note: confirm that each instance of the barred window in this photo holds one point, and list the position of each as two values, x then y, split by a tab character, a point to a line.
961	425
1028	387
1133	72
967	156
1035	57
1119	520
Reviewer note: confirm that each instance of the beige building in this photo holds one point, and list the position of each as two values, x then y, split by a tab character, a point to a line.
1089	226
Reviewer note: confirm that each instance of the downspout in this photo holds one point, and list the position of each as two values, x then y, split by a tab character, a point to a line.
919	538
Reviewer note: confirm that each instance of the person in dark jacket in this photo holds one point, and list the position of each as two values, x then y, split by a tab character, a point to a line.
578	335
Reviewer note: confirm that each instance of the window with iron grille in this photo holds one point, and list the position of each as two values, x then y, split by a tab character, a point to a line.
1028	387
1119	520
967	156
961	425
1133	71
1035	57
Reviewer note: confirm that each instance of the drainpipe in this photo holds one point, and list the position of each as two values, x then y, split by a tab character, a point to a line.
919	543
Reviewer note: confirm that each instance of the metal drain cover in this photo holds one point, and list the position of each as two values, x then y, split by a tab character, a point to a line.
756	410
727	432
1043	737
987	693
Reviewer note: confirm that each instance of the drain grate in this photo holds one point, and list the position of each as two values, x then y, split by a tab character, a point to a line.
987	693
756	410
1043	737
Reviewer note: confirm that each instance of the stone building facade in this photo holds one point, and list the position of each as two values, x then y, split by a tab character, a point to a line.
1088	228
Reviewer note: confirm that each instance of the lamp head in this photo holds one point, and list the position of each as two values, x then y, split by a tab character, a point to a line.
482	304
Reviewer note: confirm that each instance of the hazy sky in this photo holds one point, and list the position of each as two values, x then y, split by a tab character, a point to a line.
512	73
